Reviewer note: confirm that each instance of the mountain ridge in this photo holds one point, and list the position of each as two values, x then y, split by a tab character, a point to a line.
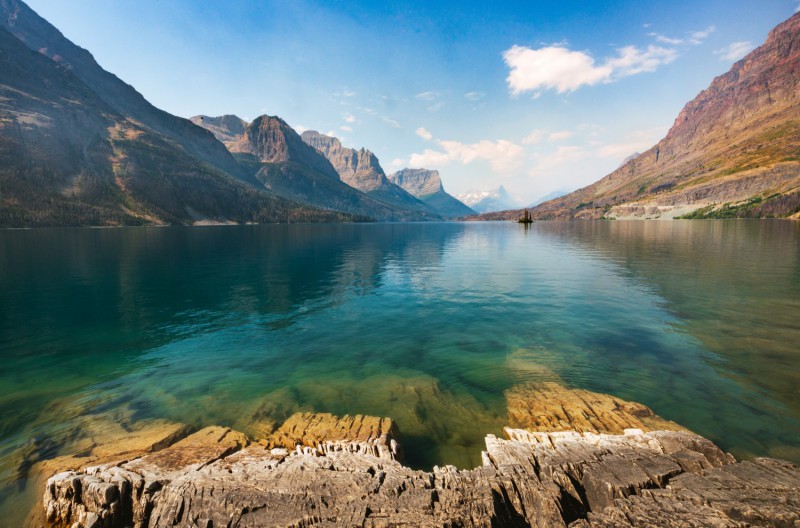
362	170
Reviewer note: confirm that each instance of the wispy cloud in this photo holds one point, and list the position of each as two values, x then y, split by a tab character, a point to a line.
349	118
563	70
474	96
560	135
699	36
537	136
344	93
391	122
428	96
694	38
424	134
735	51
534	137
502	155
345	128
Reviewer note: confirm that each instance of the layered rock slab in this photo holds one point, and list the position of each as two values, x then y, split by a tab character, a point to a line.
531	479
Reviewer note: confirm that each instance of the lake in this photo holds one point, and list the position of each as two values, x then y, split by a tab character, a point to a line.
426	323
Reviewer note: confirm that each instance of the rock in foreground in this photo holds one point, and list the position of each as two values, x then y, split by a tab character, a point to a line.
658	478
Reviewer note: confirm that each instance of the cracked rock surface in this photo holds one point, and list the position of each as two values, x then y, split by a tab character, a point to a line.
320	470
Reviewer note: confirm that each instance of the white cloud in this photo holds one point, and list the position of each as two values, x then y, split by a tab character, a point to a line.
699	36
300	129
474	96
345	128
667	40
632	60
694	38
551	68
502	155
435	107
349	118
397	163
428	96
534	137
560	135
424	134
391	122
537	135
735	51
344	93
558	68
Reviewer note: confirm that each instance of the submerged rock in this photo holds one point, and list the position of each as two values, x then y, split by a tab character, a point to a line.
550	406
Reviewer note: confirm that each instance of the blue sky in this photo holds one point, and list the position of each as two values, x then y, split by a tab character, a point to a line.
537	96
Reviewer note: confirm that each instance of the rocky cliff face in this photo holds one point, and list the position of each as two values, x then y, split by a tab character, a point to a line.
426	185
361	170
733	151
357	168
269	139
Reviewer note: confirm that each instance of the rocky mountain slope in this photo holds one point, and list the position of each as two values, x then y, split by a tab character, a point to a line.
67	157
361	170
426	185
39	35
734	151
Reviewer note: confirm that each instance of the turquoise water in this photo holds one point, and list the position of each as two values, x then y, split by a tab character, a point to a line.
426	323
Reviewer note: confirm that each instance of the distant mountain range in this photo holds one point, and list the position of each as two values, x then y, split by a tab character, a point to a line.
487	201
734	151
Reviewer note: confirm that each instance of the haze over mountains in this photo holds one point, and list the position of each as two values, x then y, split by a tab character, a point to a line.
734	151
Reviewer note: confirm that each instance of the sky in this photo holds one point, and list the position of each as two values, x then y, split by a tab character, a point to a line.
537	96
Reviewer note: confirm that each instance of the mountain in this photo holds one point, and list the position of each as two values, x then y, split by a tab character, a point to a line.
426	185
361	170
733	151
227	129
489	201
39	35
67	157
277	157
